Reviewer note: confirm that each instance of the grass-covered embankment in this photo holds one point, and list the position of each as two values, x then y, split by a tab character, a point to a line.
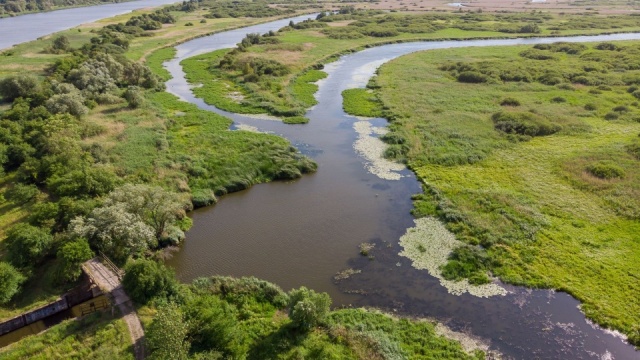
96	336
529	156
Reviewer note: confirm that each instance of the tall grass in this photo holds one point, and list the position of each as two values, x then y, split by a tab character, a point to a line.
530	204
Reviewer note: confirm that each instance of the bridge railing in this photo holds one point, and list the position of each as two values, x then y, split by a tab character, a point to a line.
113	267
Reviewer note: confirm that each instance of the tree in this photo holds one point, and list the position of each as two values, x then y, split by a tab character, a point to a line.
22	193
146	279
27	245
22	85
10	281
166	335
68	103
155	206
116	231
308	308
61	45
71	256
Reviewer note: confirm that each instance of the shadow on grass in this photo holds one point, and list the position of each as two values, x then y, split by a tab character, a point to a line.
279	342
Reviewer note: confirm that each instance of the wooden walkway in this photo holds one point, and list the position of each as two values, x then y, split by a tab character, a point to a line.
108	277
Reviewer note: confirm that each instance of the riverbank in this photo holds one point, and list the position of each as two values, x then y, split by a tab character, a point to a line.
296	51
542	217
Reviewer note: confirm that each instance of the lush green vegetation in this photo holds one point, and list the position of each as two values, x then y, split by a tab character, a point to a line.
96	336
271	72
94	122
222	317
527	166
361	102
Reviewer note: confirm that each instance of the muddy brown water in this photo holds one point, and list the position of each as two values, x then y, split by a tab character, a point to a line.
303	232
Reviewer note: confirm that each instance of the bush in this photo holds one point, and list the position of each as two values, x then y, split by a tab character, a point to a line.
10	281
22	85
473	77
166	335
605	170
590	107
21	193
203	197
232	289
213	325
60	45
611	116
523	123
558	99
134	96
27	245
146	279
71	256
307	308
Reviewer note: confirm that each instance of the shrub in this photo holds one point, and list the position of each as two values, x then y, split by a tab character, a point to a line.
203	197
590	107
233	289
146	279
611	116
605	170
22	85
473	77
558	99
307	308
213	325
71	256
621	109
166	336
60	45
134	96
22	193
523	123
10	281
27	245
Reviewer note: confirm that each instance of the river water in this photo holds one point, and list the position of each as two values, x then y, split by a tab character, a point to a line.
303	232
23	28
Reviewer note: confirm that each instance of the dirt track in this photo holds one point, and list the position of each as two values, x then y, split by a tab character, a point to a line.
109	282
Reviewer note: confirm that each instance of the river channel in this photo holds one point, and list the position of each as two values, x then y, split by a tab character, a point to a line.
303	232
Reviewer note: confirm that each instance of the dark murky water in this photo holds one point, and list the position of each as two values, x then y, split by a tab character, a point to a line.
303	232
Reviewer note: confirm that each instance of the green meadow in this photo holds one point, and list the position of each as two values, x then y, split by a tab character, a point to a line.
532	162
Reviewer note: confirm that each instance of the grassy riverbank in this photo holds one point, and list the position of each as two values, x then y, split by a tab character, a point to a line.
546	193
267	72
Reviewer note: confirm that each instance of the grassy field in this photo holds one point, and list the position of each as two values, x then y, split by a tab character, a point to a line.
97	336
541	208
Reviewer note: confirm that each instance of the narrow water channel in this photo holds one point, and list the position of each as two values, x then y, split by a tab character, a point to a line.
303	232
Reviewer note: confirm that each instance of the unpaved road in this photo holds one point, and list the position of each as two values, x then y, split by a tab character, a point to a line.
109	282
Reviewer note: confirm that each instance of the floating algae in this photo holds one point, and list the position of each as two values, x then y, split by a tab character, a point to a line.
428	245
371	148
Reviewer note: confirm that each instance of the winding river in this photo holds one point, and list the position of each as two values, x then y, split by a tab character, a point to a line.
303	232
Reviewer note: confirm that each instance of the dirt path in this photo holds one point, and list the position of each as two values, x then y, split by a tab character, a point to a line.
109	282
